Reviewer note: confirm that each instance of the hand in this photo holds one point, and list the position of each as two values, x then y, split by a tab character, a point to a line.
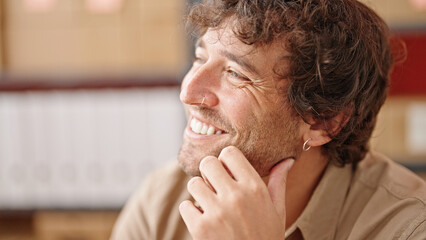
234	201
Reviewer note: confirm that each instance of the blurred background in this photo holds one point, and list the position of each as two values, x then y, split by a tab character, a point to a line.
89	104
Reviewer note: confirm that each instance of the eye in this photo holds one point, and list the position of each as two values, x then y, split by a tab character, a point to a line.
237	75
234	74
198	60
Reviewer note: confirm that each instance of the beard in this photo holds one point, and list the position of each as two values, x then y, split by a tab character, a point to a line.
264	141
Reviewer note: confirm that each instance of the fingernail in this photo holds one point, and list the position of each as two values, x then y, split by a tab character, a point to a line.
290	164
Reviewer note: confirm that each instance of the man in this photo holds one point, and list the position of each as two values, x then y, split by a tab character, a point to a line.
280	85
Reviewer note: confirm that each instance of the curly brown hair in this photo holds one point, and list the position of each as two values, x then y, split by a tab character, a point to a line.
340	59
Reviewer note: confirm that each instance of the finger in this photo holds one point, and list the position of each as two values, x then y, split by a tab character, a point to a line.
189	213
277	185
207	182
201	192
215	173
237	164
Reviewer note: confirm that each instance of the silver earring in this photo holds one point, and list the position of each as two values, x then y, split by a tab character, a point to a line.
202	102
306	144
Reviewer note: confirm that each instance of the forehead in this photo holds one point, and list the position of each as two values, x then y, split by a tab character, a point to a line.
223	39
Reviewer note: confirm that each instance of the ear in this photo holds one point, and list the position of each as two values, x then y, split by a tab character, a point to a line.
321	131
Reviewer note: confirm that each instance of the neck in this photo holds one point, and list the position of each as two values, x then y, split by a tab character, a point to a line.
302	180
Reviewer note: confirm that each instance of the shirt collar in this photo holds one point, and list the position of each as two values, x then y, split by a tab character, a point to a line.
320	217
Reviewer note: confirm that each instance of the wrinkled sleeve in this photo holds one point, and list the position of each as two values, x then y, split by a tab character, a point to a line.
418	231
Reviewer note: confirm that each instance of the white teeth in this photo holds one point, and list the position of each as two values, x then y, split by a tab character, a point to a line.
197	128
193	122
203	129
210	131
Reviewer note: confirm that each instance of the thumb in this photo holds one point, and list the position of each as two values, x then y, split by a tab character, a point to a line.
277	185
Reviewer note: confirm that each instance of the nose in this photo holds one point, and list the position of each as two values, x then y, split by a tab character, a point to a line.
200	85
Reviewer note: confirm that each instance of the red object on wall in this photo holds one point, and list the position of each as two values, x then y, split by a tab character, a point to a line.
409	77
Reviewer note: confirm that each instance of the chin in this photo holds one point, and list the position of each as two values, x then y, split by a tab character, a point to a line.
190	169
190	156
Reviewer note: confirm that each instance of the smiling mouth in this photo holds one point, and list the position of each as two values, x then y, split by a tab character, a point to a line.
202	128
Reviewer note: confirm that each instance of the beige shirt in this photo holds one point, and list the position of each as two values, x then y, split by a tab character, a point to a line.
380	200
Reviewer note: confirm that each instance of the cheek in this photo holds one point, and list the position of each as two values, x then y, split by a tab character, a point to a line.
239	110
248	108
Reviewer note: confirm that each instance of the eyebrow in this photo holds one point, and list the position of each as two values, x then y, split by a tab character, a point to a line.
199	43
234	58
240	61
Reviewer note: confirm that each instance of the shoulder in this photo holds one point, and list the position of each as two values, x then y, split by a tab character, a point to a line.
392	199
152	211
161	191
169	179
378	171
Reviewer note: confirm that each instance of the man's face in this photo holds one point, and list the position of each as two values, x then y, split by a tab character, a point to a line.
242	106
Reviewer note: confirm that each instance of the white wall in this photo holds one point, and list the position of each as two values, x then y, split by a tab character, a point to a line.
83	149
